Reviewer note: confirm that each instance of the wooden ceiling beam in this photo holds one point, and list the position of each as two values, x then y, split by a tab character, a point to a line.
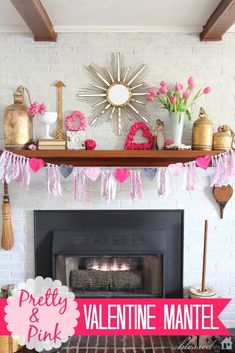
36	18
219	22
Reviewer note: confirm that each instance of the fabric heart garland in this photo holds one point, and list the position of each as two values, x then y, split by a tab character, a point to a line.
223	169
175	169
54	185
203	162
93	173
135	184
131	145
14	168
36	164
121	174
108	186
66	170
150	173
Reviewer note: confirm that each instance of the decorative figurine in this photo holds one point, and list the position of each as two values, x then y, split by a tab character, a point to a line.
202	132
158	128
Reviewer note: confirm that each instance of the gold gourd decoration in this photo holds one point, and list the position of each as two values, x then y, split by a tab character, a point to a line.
202	136
18	128
224	139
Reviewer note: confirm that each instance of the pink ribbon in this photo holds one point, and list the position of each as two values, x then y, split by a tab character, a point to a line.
135	184
163	182
54	185
14	167
223	168
190	175
80	192
108	185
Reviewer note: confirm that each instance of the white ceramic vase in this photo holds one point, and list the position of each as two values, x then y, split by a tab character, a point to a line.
177	126
48	119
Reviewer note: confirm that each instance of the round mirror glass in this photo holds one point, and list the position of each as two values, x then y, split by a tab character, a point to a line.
118	94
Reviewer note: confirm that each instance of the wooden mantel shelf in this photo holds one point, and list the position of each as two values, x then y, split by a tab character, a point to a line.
115	157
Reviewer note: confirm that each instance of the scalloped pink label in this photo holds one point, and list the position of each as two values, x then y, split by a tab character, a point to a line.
42	314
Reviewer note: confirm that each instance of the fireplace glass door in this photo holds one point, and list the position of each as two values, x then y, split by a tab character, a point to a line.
111	276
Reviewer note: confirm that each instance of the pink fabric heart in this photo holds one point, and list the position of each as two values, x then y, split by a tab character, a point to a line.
203	162
175	169
36	164
93	173
121	174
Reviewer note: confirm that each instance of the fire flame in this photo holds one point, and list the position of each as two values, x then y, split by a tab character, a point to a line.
110	267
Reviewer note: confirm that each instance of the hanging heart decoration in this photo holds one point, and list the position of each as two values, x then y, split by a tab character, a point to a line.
150	173
121	174
175	169
65	170
93	173
131	145
203	162
36	164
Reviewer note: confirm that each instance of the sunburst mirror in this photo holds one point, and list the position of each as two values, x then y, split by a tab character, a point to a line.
116	94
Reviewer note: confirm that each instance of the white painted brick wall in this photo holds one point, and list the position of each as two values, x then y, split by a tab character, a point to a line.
169	56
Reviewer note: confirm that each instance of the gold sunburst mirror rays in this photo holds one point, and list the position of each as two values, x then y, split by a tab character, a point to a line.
116	94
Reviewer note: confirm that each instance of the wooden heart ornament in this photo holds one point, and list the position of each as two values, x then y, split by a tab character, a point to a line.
222	195
131	145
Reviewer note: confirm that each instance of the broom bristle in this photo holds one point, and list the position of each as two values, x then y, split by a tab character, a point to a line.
7	230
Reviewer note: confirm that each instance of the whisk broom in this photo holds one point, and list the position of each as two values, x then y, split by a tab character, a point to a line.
7	230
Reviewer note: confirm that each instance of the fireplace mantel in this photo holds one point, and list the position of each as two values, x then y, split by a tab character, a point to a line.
116	157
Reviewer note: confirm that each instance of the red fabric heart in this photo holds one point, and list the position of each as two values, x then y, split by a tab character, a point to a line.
121	174
130	145
36	164
203	162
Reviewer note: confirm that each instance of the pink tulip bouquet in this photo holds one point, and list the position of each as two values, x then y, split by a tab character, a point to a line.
178	100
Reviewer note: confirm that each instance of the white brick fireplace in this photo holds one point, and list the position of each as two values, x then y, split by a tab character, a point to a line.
170	57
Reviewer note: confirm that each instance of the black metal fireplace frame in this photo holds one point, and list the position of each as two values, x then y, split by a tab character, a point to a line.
49	223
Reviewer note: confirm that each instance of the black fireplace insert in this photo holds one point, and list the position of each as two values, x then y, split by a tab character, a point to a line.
132	253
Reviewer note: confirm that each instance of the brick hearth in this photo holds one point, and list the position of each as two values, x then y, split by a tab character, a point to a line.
124	344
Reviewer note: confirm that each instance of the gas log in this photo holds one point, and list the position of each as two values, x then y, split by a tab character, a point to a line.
105	280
